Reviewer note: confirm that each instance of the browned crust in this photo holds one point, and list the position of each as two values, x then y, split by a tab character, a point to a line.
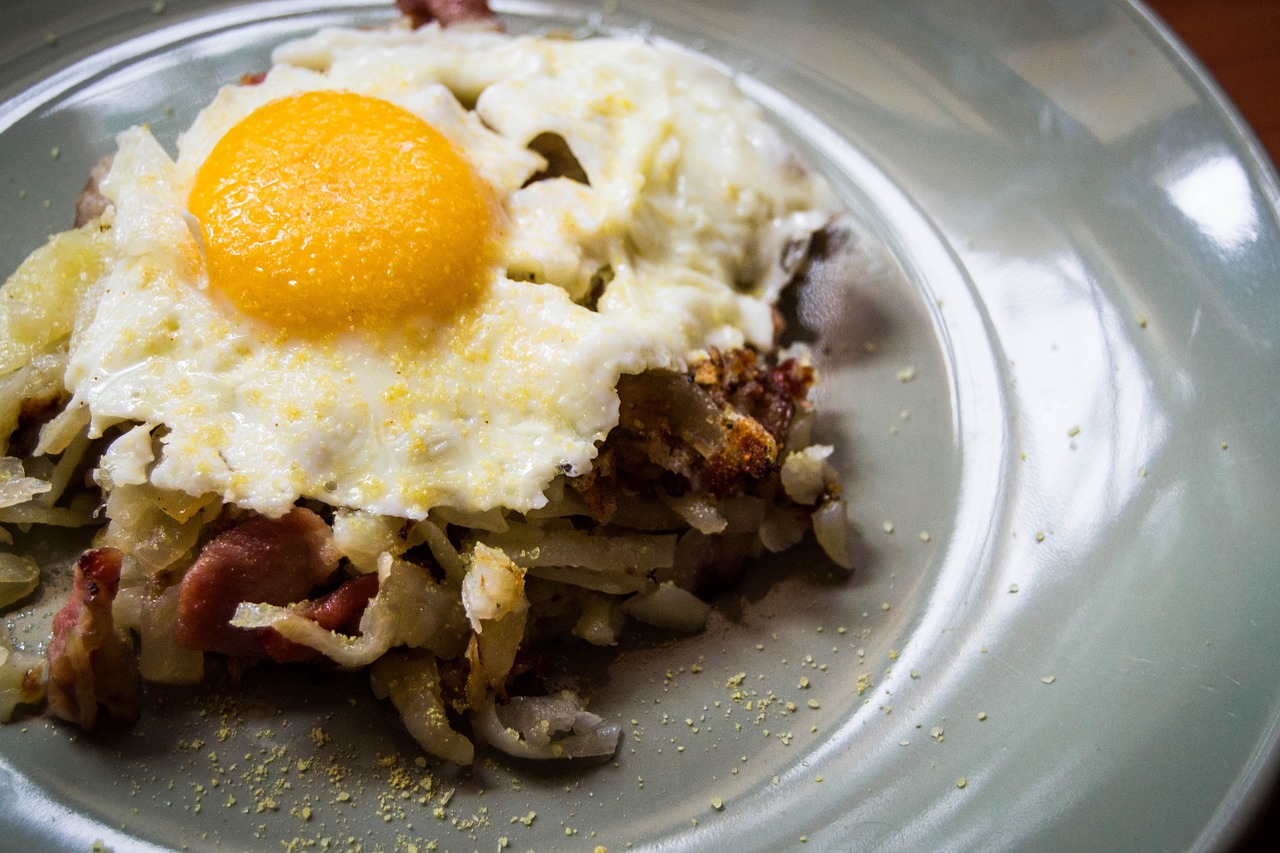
718	429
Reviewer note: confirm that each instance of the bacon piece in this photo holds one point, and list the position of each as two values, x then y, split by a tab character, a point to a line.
269	560
770	395
339	611
89	663
447	12
91	203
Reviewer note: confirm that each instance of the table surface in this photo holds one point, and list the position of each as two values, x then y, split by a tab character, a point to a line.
1238	42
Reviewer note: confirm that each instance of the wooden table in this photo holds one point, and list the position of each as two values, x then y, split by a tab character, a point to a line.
1238	41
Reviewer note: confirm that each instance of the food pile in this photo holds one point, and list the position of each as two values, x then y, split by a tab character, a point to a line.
432	349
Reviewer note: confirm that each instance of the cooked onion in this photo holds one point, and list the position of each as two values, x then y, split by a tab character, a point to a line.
21	681
669	607
831	529
806	474
412	681
19	576
160	658
545	727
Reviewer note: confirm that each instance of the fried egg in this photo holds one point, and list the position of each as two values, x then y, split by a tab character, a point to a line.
407	268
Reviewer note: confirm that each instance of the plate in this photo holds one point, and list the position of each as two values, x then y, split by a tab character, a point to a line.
1051	376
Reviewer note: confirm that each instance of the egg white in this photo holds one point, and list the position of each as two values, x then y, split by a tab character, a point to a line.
689	193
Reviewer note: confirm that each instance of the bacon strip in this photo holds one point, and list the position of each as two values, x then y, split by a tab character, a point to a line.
447	12
269	560
89	663
91	203
338	611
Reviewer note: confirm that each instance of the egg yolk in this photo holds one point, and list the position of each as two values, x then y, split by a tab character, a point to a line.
325	212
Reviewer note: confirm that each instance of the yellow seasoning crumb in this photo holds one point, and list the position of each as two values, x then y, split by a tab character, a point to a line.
50	39
884	605
924	536
1039	535
887	527
157	8
1142	472
817	778
1142	321
1013	587
961	782
600	848
1224	445
982	716
1073	432
813	703
55	153
717	803
907	374
1049	679
804	839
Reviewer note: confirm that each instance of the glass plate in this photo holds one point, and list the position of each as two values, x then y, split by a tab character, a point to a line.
1052	384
